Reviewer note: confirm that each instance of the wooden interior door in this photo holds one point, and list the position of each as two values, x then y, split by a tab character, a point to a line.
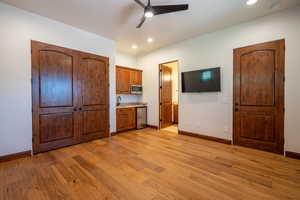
165	96
259	96
69	97
54	96
94	96
175	114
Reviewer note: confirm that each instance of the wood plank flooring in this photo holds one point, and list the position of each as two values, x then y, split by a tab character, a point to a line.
150	164
173	128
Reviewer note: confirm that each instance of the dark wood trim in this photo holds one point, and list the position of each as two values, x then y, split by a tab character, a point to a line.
152	126
291	154
205	137
129	68
15	156
169	62
108	97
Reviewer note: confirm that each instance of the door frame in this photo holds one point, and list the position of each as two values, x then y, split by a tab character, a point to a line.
159	78
282	63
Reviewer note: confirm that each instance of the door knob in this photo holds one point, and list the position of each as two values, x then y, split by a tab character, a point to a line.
236	110
75	108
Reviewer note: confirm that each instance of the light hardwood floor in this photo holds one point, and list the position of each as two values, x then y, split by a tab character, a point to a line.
173	128
150	164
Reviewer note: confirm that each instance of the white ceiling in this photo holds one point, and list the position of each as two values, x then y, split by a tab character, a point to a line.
117	19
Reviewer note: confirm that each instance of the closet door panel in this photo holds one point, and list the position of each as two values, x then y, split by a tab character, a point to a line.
93	81
94	91
56	79
93	121
55	97
56	127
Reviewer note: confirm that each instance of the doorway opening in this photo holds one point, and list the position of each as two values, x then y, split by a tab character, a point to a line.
168	96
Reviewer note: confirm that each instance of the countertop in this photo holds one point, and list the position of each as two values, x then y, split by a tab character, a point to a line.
131	105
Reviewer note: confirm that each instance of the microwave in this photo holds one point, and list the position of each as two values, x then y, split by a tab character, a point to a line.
136	89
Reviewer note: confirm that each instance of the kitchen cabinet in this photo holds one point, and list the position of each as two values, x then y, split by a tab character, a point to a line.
125	77
135	77
126	119
122	81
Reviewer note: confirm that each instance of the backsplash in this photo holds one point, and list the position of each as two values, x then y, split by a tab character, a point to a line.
130	98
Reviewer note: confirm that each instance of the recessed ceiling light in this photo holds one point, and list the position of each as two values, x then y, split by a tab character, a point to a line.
150	40
134	46
251	2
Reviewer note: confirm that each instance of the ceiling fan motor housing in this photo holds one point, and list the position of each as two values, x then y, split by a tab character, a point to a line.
150	11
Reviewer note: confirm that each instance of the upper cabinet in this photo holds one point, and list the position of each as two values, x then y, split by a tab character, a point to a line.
125	77
135	77
122	81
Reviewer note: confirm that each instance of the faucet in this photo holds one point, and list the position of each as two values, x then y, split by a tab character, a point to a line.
119	98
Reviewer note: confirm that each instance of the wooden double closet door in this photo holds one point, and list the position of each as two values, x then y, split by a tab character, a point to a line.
70	93
259	96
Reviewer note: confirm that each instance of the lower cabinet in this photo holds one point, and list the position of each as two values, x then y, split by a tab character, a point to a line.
126	119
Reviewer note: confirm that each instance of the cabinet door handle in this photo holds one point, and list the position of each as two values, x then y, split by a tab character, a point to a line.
75	109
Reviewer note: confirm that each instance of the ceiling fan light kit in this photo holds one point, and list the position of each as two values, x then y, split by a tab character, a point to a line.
149	14
150	10
251	2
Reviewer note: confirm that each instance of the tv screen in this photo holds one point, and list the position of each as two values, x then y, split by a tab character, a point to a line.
206	80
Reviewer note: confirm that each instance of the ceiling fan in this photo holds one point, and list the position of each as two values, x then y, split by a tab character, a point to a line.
150	11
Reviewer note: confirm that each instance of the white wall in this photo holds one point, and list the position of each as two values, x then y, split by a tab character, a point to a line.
211	113
17	29
126	60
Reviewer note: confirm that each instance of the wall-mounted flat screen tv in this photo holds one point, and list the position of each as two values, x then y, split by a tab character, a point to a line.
206	80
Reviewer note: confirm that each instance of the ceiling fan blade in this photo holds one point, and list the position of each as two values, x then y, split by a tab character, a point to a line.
140	3
142	22
158	10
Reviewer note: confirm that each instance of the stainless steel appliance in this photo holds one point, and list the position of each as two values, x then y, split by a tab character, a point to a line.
136	89
141	117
